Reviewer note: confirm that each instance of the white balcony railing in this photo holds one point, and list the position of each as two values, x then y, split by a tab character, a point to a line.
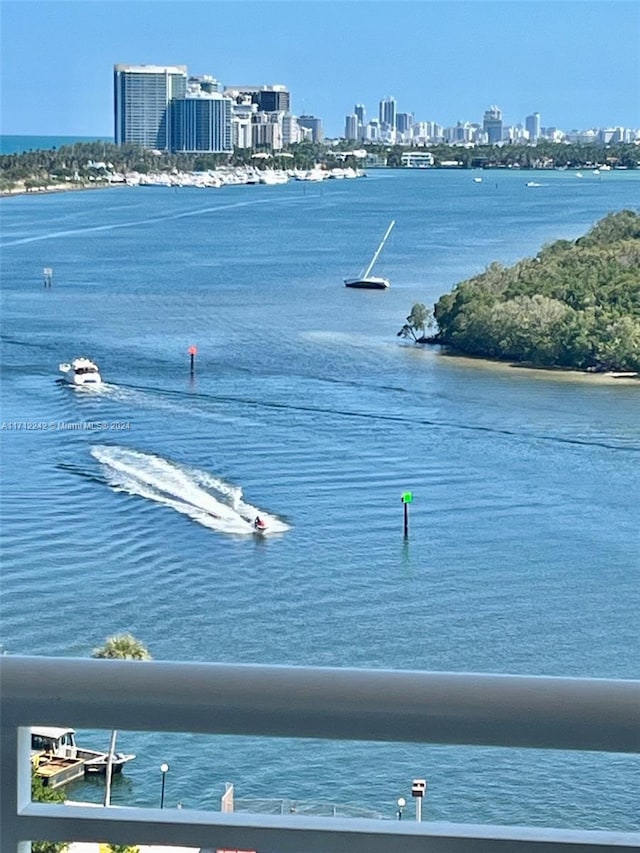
367	705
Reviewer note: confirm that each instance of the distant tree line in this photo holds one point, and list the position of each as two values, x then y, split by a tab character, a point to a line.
576	304
542	155
76	163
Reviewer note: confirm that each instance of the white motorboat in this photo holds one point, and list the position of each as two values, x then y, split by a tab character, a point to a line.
366	281
51	742
81	371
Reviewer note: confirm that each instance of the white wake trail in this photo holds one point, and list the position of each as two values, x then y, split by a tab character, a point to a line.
207	499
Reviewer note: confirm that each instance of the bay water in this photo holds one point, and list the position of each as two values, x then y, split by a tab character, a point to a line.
128	509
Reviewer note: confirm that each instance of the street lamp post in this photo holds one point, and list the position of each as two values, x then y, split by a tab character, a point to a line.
163	770
401	804
418	790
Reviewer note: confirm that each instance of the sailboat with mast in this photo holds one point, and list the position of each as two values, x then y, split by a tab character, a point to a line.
366	281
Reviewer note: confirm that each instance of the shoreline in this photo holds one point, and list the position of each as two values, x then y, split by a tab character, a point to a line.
563	373
58	188
209	179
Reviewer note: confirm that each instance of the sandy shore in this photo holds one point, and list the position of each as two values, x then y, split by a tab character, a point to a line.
562	374
58	188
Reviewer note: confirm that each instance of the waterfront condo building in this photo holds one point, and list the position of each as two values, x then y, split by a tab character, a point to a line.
201	121
142	103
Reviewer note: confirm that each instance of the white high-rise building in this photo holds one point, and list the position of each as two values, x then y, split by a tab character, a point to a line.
142	103
290	130
241	111
373	131
266	130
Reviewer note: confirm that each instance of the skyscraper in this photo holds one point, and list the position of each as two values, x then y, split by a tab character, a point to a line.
492	125
360	112
201	121
388	113
351	127
532	126
142	98
403	121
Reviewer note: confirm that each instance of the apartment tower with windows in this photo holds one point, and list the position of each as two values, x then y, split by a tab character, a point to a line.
142	103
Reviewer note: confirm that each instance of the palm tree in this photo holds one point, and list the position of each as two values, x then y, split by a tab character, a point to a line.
118	647
122	647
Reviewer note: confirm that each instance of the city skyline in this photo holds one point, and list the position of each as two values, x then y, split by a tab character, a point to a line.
442	61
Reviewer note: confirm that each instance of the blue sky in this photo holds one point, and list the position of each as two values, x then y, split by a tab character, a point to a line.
576	63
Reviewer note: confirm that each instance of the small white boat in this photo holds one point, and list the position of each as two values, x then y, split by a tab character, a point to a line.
50	744
81	371
366	281
533	184
477	180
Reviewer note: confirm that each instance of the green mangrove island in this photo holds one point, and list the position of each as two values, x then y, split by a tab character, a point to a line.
575	305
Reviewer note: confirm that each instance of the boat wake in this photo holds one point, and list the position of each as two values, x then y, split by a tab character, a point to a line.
198	494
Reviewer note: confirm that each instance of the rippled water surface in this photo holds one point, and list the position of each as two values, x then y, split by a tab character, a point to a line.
129	509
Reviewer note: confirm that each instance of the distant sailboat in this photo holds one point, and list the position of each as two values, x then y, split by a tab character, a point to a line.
366	281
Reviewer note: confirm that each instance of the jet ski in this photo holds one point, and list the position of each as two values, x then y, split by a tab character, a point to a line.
259	525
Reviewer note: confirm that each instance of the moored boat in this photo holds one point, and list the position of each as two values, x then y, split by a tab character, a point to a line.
366	281
58	759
